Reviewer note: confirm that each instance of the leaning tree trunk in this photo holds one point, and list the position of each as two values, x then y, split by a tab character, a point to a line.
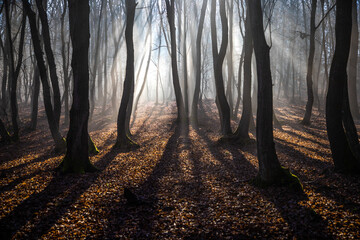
170	8
77	155
123	140
218	60
194	109
270	171
337	109
353	62
51	61
309	81
242	133
54	129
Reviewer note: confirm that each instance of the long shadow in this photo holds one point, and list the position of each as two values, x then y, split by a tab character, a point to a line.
306	139
149	189
12	170
299	157
304	222
54	201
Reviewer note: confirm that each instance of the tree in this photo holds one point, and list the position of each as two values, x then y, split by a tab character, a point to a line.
51	60
123	140
353	62
218	60
242	133
170	8
309	81
77	155
14	71
54	128
194	108
270	170
340	127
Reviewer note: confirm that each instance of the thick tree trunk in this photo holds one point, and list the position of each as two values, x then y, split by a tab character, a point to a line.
353	62
309	81
59	141
170	8
270	171
77	155
337	107
194	108
123	140
218	60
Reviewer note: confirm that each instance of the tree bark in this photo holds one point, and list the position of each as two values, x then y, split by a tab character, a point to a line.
170	8
218	60
270	171
353	62
77	155
54	129
337	109
243	129
51	61
123	140
309	81
194	109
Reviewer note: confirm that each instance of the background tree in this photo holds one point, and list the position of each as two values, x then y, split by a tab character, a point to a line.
123	140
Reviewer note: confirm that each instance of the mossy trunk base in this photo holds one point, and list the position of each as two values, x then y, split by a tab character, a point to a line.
283	178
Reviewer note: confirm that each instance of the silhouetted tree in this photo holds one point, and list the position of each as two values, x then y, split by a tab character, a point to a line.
341	130
218	60
270	170
54	128
309	81
123	140
77	155
194	108
170	8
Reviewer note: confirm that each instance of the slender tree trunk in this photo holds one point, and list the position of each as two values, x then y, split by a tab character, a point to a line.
123	140
4	134
218	60
243	129
35	98
353	62
175	74
338	112
270	171
59	141
309	80
194	109
51	61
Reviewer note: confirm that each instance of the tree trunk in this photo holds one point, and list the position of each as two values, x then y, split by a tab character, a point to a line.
337	109
170	8
77	155
218	60
123	140
59	141
353	61
51	61
35	98
309	81
243	129
270	171
194	109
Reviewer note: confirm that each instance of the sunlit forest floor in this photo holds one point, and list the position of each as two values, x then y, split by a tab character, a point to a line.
192	186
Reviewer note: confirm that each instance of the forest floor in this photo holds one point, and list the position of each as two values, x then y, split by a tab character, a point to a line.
192	186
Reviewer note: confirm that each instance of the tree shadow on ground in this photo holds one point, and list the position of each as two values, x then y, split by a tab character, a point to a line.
52	202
